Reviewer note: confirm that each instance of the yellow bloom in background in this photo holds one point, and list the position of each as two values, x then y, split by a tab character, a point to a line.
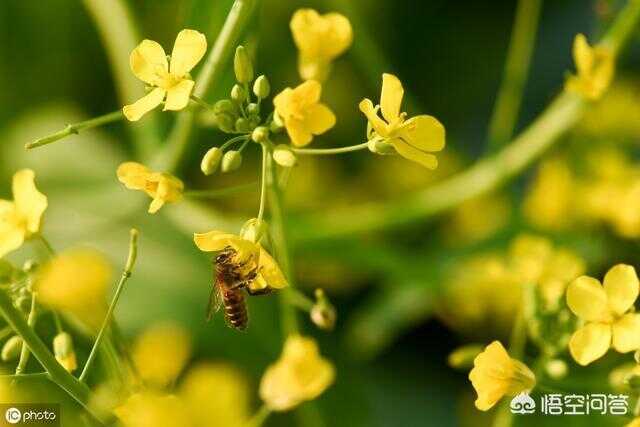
216	395
495	374
161	353
149	63
302	112
634	423
320	39
150	409
75	283
414	138
247	252
606	309
478	219
161	187
595	66
299	375
21	217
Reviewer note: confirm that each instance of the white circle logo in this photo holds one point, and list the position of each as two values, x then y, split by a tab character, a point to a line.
13	416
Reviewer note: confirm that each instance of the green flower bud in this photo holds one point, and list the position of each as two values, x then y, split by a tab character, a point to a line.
260	134
462	357
261	87
284	156
238	94
225	123
11	349
211	160
253	109
254	121
242	65
323	313
379	146
242	125
64	351
276	124
224	106
231	161
29	266
23	303
254	230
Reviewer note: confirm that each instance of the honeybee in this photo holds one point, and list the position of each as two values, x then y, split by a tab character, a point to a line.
230	282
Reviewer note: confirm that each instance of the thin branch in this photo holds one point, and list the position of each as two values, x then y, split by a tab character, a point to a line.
74	129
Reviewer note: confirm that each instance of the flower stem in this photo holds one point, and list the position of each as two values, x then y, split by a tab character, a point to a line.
213	194
516	70
24	353
329	151
260	417
131	259
201	102
263	181
76	128
46	245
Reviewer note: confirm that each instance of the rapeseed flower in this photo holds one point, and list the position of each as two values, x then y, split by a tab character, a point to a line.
595	66
161	187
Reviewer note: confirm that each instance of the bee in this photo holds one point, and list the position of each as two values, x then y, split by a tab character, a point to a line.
230	282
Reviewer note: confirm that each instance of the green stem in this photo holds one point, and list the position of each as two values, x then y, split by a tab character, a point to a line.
328	151
210	75
201	102
46	245
131	259
5	332
58	374
516	70
76	128
213	194
18	377
300	300
24	353
263	182
260	417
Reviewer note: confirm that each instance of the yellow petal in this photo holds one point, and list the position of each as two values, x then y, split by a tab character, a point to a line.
312	68
424	132
270	271
149	62
133	112
391	97
188	49
298	132
409	152
320	37
621	286
626	333
307	93
366	106
582	54
319	119
155	205
178	96
282	102
590	342
30	204
587	299
218	240
304	27
133	175
340	35
11	235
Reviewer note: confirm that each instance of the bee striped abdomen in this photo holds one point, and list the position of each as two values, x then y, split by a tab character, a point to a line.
235	308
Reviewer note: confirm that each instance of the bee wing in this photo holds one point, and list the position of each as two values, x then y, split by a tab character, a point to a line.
215	301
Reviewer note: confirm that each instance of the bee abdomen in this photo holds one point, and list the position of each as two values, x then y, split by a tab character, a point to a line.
235	308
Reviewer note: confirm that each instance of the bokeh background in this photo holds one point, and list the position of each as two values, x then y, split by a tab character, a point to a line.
390	286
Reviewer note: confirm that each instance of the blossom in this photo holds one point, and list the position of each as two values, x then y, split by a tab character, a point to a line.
21	218
320	39
153	409
299	375
161	353
251	254
169	79
606	311
414	138
302	113
161	187
595	66
495	374
75	282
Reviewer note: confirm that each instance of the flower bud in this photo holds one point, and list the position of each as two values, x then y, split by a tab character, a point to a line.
11	349
323	313
276	124
261	87
462	357
556	369
231	161
225	123
260	134
254	230
253	109
29	266
211	160
23	303
64	351
242	65
242	125
238	94
284	156
379	146
254	121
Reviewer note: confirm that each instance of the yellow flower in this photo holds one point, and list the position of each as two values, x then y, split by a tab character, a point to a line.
149	63
634	423
495	375
320	39
151	409
161	187
249	253
75	282
299	375
161	353
302	112
414	138
21	217
606	311
230	405
595	67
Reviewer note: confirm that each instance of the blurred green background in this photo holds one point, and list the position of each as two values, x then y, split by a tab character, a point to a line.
389	348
